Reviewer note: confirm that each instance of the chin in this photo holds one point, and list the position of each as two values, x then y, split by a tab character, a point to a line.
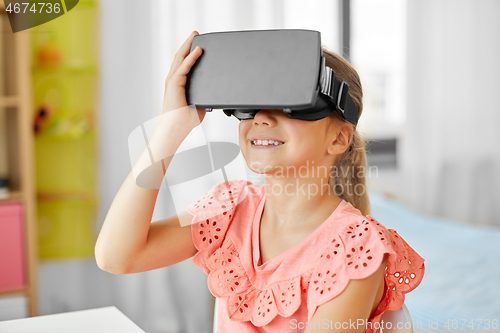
258	167
259	171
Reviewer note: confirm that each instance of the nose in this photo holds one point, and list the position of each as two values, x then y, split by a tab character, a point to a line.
267	117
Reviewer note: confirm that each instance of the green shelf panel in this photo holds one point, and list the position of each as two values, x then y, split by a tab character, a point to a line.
65	86
64	92
65	164
65	229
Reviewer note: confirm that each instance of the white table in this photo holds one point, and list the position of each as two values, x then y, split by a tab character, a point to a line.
102	320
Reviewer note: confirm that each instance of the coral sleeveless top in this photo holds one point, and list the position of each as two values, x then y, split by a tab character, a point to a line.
286	290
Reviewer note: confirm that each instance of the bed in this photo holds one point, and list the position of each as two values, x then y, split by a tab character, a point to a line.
460	291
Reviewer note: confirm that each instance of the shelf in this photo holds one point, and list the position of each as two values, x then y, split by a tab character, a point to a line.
69	67
33	65
12	293
18	147
69	195
66	136
9	101
13	196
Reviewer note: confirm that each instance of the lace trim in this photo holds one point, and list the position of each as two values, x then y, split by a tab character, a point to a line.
228	278
403	274
212	215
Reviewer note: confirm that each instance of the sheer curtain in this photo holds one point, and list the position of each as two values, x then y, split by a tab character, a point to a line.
450	154
138	42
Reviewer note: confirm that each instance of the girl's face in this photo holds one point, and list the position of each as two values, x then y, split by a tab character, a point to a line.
301	143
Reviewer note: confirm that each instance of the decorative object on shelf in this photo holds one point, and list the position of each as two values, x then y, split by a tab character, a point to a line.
4	188
49	55
70	126
40	118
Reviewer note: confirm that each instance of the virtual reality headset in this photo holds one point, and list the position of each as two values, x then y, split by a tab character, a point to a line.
242	72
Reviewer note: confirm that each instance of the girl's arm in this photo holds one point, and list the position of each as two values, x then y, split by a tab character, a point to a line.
128	241
353	306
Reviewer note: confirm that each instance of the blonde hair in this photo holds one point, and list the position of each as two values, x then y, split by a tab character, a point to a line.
351	167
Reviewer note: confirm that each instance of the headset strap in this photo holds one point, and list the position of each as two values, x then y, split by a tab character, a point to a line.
338	93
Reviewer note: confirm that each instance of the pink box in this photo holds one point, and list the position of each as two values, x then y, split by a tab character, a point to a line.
12	258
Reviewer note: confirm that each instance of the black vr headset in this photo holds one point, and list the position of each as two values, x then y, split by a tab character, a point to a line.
242	72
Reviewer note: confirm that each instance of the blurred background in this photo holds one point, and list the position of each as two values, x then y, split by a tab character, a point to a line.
73	89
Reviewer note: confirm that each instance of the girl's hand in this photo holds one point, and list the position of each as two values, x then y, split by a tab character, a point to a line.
175	83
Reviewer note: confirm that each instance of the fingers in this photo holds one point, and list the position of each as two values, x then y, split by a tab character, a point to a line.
175	84
185	48
179	77
182	52
189	61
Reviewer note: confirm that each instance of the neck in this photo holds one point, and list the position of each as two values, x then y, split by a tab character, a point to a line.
297	202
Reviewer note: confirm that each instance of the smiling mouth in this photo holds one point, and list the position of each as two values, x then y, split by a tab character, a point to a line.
264	143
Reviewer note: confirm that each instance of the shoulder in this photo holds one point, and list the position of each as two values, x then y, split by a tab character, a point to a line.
355	249
358	301
212	216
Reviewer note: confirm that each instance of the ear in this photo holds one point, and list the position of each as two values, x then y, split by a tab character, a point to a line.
341	138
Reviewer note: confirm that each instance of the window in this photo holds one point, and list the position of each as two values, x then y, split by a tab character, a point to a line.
378	53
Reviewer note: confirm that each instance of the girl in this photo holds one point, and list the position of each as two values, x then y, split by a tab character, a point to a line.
298	254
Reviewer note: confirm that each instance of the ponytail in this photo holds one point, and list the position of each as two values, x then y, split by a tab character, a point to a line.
349	179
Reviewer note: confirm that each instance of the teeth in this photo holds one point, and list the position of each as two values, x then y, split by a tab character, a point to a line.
266	142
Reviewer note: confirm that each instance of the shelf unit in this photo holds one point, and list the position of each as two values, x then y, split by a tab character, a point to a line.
17	149
65	72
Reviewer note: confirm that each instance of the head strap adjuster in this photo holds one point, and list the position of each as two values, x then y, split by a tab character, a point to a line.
342	96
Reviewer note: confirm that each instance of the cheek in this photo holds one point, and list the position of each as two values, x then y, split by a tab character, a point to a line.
242	132
244	126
